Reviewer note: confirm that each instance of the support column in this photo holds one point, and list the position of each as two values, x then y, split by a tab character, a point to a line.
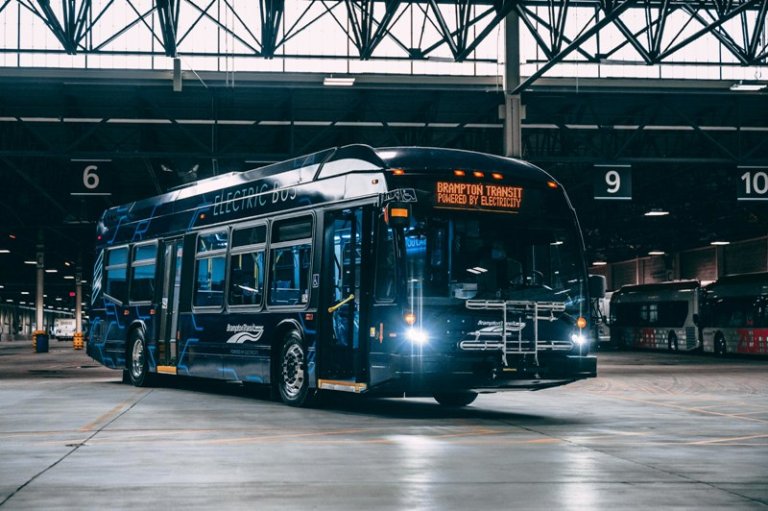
78	298
40	274
77	340
513	108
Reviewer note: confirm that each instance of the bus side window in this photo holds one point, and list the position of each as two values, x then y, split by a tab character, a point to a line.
385	266
209	269
246	279
143	273
246	266
291	258
116	270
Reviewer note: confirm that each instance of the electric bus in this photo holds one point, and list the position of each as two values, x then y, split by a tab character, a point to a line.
656	316
389	272
734	318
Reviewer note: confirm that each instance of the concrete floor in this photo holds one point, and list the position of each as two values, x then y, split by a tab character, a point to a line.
653	431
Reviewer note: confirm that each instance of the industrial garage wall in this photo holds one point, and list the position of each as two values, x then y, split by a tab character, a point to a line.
745	257
705	264
699	264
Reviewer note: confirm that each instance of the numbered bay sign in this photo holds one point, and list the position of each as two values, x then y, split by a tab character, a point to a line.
613	182
753	183
90	177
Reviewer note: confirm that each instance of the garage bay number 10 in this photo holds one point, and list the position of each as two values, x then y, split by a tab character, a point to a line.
387	272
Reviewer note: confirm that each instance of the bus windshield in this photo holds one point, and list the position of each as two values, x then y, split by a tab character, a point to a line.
461	255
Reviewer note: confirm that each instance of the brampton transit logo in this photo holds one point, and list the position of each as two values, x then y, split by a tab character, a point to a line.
244	333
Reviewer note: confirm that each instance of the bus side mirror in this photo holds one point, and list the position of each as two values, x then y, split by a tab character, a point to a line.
397	214
597	286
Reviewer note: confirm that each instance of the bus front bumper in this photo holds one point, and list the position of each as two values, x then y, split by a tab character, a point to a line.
423	374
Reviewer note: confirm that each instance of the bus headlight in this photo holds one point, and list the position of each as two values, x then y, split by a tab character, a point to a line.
417	336
578	339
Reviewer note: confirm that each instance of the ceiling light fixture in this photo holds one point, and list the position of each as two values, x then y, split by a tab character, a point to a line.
4	251
748	86
599	263
656	212
720	243
330	81
656	253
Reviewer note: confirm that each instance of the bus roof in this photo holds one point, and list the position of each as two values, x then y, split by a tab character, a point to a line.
430	158
740	285
326	176
674	285
364	157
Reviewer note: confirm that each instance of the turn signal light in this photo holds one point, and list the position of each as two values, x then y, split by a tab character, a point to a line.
581	322
410	318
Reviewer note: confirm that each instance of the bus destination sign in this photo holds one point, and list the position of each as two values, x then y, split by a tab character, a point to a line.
478	196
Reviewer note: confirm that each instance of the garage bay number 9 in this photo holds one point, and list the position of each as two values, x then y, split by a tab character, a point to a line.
613	182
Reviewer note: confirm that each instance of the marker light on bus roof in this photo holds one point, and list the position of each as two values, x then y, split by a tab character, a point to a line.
496	175
398	172
459	173
478	174
552	184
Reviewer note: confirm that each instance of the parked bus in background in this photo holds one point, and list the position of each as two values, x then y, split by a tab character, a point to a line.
656	316
734	318
416	271
604	315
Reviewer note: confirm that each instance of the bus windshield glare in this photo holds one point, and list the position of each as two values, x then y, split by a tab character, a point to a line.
460	255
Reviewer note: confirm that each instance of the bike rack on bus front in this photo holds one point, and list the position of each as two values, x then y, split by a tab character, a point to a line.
525	310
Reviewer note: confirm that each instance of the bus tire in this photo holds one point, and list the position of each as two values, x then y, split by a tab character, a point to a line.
292	379
721	348
672	341
455	399
138	359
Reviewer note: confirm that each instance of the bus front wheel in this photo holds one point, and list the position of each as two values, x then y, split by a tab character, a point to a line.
138	363
293	383
455	399
721	348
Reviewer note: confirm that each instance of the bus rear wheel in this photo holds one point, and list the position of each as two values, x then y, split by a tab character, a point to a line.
293	383
455	399
721	349
138	360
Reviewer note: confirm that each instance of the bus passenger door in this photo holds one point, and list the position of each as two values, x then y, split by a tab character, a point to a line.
169	302
342	292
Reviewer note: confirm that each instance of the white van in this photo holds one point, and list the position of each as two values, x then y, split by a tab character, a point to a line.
64	328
